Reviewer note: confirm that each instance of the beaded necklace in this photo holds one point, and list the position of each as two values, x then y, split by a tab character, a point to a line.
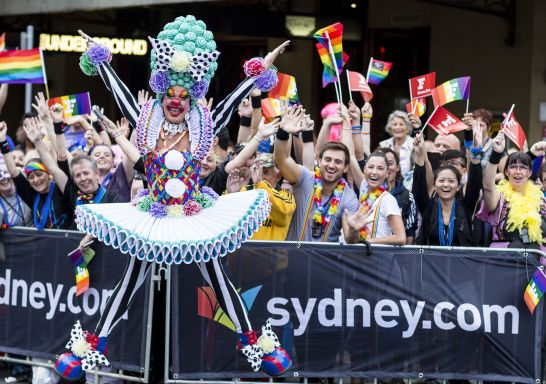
328	209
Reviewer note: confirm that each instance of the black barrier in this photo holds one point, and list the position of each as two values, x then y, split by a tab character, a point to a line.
38	306
401	312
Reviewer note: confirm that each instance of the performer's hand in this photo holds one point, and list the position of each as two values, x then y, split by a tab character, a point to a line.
88	40
143	97
272	56
205	103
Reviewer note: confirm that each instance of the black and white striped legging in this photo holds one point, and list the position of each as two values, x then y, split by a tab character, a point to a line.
134	276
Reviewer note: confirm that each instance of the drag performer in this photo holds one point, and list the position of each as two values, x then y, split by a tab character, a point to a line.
175	221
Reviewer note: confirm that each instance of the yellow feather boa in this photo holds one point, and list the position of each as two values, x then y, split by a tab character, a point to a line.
524	210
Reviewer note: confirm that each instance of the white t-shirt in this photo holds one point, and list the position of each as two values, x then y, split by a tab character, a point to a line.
385	206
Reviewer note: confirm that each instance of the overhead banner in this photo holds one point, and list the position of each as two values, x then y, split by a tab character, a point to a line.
401	312
38	302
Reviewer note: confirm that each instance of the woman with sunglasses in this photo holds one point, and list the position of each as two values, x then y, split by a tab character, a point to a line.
176	221
516	207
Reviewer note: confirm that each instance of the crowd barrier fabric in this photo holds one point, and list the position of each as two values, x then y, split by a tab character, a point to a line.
38	302
402	312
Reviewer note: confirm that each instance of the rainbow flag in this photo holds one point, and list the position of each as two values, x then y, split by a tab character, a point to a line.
22	66
80	262
271	108
452	90
535	290
285	89
377	71
3	41
335	33
73	105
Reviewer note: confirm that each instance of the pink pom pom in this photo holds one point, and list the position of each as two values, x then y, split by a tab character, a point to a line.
192	208
254	67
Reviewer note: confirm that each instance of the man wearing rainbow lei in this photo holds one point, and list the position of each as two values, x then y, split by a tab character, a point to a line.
175	221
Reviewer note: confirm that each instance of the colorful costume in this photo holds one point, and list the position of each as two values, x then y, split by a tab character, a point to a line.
175	221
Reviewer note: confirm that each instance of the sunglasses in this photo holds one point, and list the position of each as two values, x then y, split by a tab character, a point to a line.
515	167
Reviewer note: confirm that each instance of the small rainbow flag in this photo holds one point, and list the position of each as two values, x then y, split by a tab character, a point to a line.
271	108
377	71
285	89
535	290
417	106
73	105
452	90
335	33
80	262
22	66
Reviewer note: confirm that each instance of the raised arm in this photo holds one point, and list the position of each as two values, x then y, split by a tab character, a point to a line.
33	129
308	146
223	111
124	99
264	132
491	196
132	155
419	186
367	114
8	157
3	95
289	124
474	185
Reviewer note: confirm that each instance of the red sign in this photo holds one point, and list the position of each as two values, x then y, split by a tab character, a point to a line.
422	86
513	130
444	122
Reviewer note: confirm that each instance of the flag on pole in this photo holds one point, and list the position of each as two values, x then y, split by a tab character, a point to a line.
357	82
452	90
512	129
285	89
535	290
417	106
444	122
422	86
73	105
3	41
335	32
21	67
377	71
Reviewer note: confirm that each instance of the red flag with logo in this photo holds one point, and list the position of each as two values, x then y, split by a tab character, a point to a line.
357	82
422	86
444	122
513	130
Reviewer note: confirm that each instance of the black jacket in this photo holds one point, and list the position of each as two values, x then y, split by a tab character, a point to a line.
464	209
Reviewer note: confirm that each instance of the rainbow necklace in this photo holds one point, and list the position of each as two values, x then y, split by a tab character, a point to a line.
326	210
368	199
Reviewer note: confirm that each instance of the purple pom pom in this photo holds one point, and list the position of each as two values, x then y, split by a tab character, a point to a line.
199	89
209	191
267	80
142	193
99	53
157	210
159	82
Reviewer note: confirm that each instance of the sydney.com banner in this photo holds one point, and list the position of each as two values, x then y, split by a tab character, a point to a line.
445	314
38	302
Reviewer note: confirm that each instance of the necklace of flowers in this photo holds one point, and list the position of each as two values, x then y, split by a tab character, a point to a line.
367	199
319	216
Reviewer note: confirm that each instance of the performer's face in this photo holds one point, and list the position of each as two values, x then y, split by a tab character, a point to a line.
176	104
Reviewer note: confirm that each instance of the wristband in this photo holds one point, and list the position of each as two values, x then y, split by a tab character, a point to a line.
495	157
468	136
468	144
245	121
531	155
98	127
58	128
116	135
282	135
307	136
356	129
365	133
255	137
4	147
264	95
367	115
256	102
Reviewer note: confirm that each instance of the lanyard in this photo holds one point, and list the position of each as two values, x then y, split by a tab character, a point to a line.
18	211
107	179
40	218
441	233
